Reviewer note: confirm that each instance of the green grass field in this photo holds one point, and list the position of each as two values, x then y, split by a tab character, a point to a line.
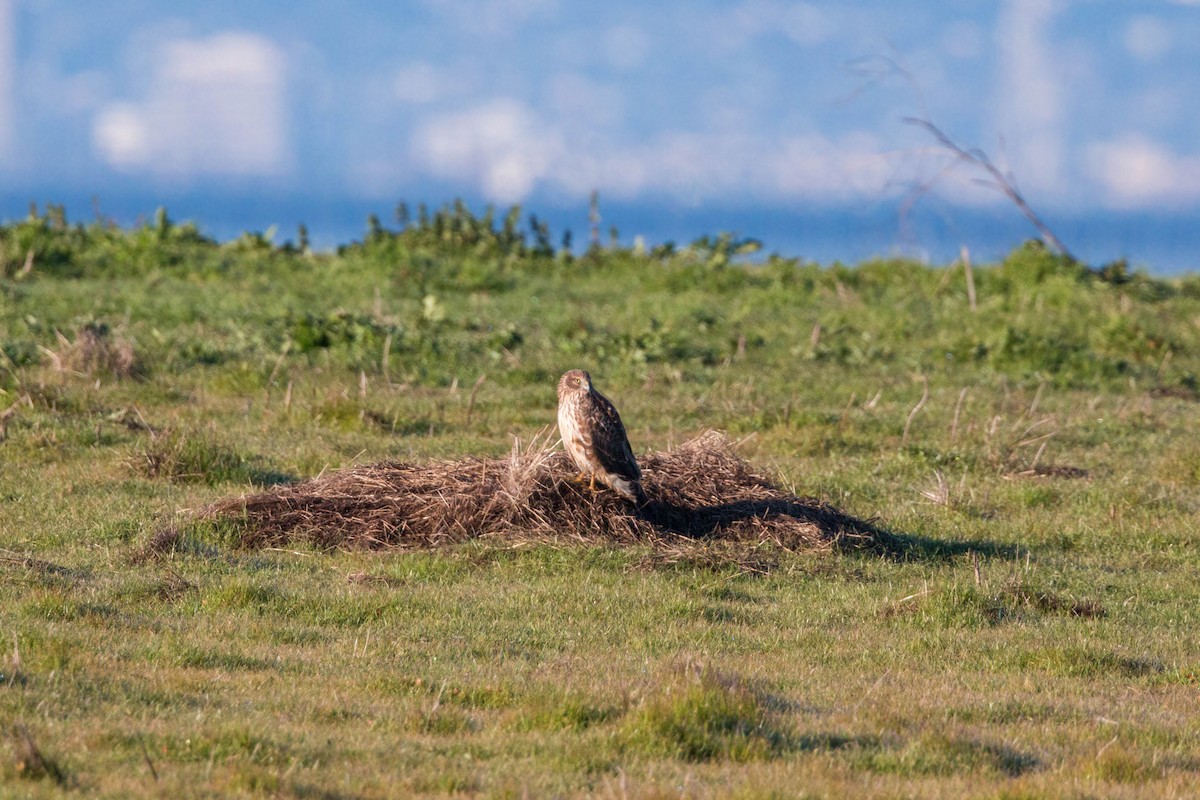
1039	456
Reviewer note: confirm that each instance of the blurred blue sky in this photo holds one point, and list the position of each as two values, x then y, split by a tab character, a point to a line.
247	114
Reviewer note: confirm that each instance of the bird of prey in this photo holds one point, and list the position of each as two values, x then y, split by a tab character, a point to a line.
594	437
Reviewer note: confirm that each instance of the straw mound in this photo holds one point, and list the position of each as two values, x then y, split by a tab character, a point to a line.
698	491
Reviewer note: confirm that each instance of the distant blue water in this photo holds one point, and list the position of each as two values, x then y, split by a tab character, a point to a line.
1161	244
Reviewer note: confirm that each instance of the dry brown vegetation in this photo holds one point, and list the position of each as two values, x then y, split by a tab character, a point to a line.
699	491
95	351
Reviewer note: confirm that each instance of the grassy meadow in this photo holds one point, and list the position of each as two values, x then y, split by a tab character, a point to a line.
1033	446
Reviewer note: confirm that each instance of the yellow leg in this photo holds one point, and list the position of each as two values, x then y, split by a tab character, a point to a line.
592	483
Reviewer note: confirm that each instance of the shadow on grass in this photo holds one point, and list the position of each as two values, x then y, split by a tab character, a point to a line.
939	755
830	742
306	791
846	533
914	547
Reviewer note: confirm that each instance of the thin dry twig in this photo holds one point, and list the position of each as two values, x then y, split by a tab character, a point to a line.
996	179
874	70
31	762
146	756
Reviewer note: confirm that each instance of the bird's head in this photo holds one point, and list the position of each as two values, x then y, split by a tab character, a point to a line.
576	380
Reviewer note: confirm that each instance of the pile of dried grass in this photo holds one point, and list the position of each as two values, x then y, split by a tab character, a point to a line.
699	492
95	350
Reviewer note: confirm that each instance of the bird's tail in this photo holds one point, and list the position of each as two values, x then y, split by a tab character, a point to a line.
631	490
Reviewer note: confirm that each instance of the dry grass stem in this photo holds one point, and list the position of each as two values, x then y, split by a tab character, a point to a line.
474	391
940	495
962	396
10	412
916	410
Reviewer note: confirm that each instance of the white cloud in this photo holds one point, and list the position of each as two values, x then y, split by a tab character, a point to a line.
121	135
491	17
1135	170
499	145
8	64
1147	38
699	166
215	106
1030	103
816	167
418	83
806	24
508	152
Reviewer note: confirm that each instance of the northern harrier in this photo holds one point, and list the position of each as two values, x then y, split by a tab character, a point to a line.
594	437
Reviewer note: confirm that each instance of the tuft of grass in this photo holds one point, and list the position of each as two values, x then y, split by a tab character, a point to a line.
63	608
447	783
222	744
700	715
1090	662
201	658
441	722
196	458
485	697
167	587
1046	602
959	605
1120	764
255	781
244	594
566	711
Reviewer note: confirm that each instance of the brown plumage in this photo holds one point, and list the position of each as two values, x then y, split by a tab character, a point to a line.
594	437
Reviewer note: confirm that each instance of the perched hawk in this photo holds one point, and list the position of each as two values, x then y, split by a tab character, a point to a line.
594	437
